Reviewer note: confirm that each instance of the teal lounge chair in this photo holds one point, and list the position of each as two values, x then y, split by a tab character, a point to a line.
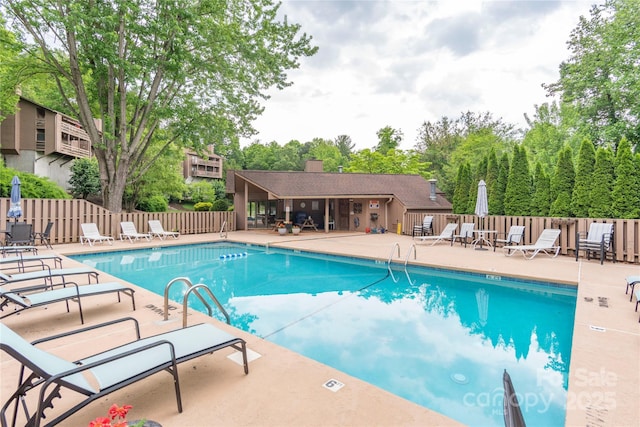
632	281
47	275
21	262
51	377
27	298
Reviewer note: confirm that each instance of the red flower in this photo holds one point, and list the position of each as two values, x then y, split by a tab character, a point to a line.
119	411
100	422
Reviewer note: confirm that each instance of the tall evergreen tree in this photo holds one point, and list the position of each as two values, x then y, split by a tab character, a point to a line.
541	201
518	193
562	184
499	188
461	194
602	185
625	195
581	197
492	174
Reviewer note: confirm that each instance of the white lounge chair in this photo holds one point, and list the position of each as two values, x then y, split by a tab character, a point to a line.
447	233
156	229
466	233
91	234
29	299
546	243
598	239
514	237
47	376
129	232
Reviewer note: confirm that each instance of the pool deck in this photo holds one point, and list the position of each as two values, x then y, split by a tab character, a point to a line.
286	389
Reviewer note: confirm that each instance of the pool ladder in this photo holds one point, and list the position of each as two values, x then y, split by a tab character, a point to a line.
223	231
406	261
192	289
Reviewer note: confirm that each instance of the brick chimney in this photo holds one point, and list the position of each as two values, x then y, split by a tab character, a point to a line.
313	165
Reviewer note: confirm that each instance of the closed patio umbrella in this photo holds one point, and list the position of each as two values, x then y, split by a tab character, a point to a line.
511	407
15	208
482	207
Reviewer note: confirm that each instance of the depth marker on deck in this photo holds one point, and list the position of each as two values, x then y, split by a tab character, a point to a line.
333	385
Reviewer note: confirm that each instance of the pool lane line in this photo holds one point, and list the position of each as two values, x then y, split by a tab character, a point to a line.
324	307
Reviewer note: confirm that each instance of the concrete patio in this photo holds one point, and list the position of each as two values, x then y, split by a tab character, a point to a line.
285	389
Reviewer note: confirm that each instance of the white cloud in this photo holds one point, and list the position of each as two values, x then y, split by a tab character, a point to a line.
401	63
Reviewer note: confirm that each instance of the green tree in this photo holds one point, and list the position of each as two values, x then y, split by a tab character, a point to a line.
498	189
461	194
388	139
541	201
602	185
345	145
625	194
260	156
601	79
10	48
196	70
581	197
517	197
562	183
325	150
31	186
85	178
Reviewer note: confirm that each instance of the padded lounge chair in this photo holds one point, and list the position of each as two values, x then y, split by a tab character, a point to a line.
47	275
598	239
632	281
156	229
447	233
66	292
515	236
50	376
546	243
466	233
424	229
91	234
20	262
4	250
129	232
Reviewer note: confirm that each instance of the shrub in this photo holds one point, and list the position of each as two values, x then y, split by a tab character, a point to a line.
220	205
203	206
155	203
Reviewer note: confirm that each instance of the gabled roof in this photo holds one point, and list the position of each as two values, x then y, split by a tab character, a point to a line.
412	191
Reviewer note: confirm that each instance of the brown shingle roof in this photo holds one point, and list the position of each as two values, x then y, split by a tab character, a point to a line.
412	190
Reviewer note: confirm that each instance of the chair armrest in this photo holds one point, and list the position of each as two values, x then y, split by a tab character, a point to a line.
91	328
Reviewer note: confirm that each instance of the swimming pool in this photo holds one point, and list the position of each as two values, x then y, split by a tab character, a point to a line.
439	338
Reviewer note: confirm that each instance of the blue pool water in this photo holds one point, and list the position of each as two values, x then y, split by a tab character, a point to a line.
438	338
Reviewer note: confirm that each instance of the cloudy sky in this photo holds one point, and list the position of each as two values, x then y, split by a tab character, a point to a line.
400	63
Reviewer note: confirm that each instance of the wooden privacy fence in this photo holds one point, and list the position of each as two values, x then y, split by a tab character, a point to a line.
626	231
68	214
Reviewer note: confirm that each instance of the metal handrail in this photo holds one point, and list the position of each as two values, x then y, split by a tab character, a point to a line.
395	245
194	289
224	224
406	260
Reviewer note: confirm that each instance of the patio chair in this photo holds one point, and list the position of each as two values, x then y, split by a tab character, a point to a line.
21	263
466	233
47	275
632	281
91	234
599	239
20	234
31	298
50	377
515	236
424	229
156	229
43	236
447	233
129	232
546	243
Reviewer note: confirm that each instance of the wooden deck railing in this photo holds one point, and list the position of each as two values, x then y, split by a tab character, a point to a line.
67	215
626	231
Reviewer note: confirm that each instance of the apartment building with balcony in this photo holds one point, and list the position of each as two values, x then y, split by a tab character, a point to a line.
202	166
39	140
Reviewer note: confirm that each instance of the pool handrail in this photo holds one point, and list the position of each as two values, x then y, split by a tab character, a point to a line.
406	260
222	228
194	289
395	245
